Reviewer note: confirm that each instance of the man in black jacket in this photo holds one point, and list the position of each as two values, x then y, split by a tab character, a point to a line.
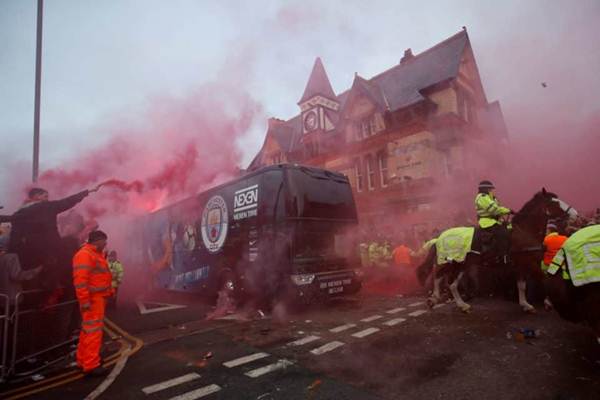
34	236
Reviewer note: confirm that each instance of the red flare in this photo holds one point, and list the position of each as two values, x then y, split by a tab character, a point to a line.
136	186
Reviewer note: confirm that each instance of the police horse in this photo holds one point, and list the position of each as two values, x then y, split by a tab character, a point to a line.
467	250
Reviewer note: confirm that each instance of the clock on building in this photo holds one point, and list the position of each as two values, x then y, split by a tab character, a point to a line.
310	121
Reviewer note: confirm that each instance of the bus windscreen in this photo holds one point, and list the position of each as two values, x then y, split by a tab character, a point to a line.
320	194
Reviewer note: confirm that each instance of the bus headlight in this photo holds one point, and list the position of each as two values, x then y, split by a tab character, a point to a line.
304	279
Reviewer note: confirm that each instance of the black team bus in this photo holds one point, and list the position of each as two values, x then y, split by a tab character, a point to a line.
284	230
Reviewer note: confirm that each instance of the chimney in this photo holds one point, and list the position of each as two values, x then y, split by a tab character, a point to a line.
407	56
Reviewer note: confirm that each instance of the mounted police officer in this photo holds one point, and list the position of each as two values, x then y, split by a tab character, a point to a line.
489	212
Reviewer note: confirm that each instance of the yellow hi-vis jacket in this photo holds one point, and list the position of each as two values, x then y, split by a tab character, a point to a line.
489	210
579	257
116	268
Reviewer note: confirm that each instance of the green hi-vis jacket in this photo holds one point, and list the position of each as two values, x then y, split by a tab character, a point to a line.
579	258
488	210
116	269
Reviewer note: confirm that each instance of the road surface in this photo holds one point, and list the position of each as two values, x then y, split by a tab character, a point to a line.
373	346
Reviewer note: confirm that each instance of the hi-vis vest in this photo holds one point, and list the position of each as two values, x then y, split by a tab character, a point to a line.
488	210
580	257
91	274
454	244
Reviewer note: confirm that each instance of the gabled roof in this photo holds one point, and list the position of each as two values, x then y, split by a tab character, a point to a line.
374	92
403	83
318	83
396	88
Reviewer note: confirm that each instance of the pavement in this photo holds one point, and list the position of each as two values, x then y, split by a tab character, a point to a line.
372	346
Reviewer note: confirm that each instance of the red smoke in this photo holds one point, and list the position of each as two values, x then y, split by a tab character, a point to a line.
182	147
175	149
562	157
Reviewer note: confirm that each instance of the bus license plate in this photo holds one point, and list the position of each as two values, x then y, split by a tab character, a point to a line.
338	289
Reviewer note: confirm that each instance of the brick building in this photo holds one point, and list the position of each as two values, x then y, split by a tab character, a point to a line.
413	140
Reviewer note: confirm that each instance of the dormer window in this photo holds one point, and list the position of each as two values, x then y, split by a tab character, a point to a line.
366	127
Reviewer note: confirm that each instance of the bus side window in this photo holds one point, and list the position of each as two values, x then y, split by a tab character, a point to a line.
271	195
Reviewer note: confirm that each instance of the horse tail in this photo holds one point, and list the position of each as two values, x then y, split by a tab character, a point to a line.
424	270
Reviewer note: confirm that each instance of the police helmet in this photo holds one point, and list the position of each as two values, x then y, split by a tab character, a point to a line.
486	185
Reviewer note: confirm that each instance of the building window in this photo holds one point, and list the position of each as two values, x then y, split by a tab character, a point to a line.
370	172
359	175
448	167
367	127
358	131
465	107
382	161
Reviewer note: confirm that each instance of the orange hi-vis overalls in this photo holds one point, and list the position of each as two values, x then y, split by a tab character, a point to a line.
93	283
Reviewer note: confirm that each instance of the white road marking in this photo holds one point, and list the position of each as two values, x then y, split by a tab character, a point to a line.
342	328
371	318
196	394
366	332
394	321
418	303
439	305
111	377
417	313
326	347
165	307
245	360
304	341
395	310
170	383
281	364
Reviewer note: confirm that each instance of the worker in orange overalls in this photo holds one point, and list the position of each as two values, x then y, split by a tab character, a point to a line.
93	284
552	243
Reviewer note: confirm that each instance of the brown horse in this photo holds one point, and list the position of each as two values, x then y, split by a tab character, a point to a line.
527	235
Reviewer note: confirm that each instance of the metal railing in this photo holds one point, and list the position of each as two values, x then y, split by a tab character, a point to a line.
37	333
4	325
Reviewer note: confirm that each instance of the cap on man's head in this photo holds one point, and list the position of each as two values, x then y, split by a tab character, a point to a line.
36	191
551	226
95	236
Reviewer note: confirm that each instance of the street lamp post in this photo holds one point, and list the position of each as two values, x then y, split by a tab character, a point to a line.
38	89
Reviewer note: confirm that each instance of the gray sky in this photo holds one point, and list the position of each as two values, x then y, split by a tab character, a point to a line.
106	60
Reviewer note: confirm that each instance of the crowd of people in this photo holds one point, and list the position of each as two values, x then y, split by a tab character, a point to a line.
59	269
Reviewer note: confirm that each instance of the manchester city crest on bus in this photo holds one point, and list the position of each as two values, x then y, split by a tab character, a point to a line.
214	224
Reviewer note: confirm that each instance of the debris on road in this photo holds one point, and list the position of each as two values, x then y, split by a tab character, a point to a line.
315	384
529	333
